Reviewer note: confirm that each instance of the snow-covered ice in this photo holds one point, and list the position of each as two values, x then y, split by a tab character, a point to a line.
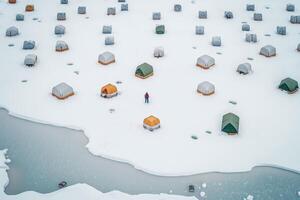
269	117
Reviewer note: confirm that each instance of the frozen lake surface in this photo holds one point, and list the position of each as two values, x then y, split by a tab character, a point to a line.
44	155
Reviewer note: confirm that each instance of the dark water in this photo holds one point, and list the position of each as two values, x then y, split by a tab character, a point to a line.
44	155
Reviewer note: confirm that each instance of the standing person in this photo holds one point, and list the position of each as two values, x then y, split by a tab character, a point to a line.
146	97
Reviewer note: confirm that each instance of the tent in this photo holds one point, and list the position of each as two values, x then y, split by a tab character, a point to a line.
151	123
245	27
109	40
61	46
63	1
121	1
295	19
244	68
289	85
159	52
61	16
160	29
29	8
107	29
257	17
250	7
228	14
298	47
12	31
111	11
59	30
62	91
216	41
205	61
144	71
177	8
124	7
19	17
30	60
290	7
281	30
106	58
202	14
206	88
30	44
199	30
109	91
230	124
268	51
81	10
156	16
251	37
12	1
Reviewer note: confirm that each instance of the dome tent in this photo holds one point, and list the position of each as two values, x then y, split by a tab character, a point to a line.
290	7
159	52
81	10
106	58
199	30
250	7
64	2
19	17
228	14
156	16
177	8
230	124
245	27
61	46
151	123
281	30
12	31
109	91
295	19
202	14
29	8
30	44
109	40
206	88
257	17
251	37
30	60
12	1
244	68
111	11
298	47
107	29
216	41
268	51
62	91
144	71
160	29
61	16
205	61
124	7
59	30
289	85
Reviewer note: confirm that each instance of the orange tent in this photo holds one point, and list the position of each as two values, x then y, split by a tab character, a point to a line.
151	121
12	1
29	8
109	90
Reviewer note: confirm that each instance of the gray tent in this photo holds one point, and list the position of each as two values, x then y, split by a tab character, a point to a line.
244	68
177	8
228	14
202	14
109	40
64	1
281	30
159	52
251	37
257	17
250	7
62	91
30	60
245	27
268	51
81	10
121	1
106	58
12	31
295	19
124	7
61	16
61	46
206	88
19	17
199	30
216	41
156	16
298	47
59	30
111	11
107	29
30	44
290	7
205	61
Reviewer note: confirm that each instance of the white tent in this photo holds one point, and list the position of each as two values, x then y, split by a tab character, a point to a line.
62	91
206	88
30	60
29	44
109	40
156	16
12	31
107	29
268	51
216	41
199	30
106	58
244	68
159	52
205	61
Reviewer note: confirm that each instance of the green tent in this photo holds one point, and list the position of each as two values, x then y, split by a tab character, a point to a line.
289	85
160	29
230	124
144	70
